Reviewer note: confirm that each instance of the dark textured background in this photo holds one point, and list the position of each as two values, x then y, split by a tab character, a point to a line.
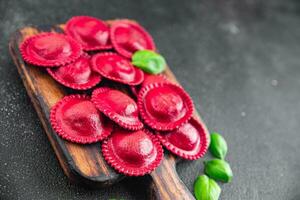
239	60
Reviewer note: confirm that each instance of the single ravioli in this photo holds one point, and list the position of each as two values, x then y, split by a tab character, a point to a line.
164	106
90	32
118	106
117	68
76	75
190	141
50	49
128	37
132	153
75	118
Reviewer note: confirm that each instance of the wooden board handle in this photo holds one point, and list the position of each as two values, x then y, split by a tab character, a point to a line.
166	184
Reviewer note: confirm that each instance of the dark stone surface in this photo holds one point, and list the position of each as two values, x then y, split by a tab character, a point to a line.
239	60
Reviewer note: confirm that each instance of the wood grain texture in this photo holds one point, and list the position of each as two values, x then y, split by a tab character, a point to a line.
166	183
85	163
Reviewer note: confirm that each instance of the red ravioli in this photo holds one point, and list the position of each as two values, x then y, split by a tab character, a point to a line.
90	32
77	75
164	106
115	67
151	78
118	106
132	153
50	50
75	118
128	36
189	141
148	79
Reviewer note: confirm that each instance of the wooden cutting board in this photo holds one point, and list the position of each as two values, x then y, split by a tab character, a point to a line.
85	164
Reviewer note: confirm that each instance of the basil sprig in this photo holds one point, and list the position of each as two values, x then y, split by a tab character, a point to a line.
149	61
206	188
219	170
218	145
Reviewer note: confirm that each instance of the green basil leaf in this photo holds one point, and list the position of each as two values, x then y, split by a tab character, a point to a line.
206	188
219	170
218	145
149	61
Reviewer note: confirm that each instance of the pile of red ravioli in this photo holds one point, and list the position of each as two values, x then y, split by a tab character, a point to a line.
132	129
